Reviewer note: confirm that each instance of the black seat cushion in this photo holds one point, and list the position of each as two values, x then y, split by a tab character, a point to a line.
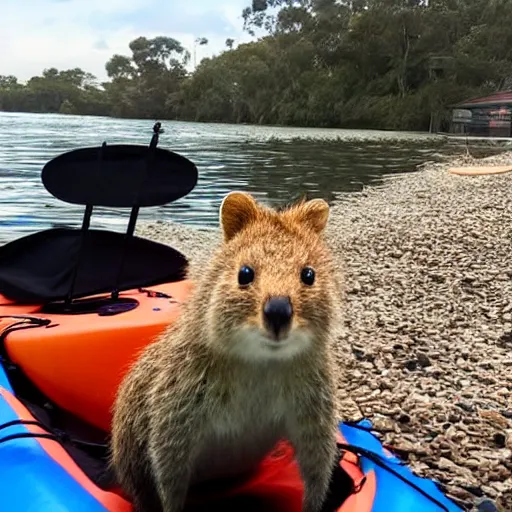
39	268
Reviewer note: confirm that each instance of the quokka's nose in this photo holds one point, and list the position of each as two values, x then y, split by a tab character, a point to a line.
277	314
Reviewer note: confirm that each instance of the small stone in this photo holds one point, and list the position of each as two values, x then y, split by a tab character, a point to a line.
494	418
383	424
475	490
445	464
487	505
411	365
350	409
404	418
500	440
423	360
359	354
465	406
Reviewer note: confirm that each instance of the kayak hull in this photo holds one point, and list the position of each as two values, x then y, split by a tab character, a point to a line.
78	360
38	474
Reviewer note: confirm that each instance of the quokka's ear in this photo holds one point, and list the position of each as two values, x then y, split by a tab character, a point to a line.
313	213
237	210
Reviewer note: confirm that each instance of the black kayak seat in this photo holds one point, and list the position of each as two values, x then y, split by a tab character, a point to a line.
39	268
65	264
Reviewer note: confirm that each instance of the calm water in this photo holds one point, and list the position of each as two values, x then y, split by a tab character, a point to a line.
275	164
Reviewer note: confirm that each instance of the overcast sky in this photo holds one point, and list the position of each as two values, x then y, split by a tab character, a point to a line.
37	34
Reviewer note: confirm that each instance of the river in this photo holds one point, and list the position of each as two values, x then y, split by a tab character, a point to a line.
274	163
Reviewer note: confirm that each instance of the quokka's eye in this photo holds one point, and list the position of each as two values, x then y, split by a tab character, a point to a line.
245	276
307	276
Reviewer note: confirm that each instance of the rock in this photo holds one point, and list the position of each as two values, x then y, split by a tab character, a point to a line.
423	360
349	409
411	365
465	406
500	440
487	505
494	418
383	424
445	464
404	418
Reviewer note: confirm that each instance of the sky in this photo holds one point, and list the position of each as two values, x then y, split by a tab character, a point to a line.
38	34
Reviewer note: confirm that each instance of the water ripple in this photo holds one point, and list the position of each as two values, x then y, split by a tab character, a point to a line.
274	163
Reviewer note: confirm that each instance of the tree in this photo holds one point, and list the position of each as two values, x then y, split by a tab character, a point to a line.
201	41
158	53
8	82
146	84
120	66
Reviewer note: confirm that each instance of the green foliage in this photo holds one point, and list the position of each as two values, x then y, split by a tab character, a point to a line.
146	84
386	64
69	91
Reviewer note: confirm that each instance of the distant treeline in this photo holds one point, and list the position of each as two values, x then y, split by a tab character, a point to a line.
363	63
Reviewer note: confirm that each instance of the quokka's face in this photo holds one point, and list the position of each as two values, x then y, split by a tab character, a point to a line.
273	297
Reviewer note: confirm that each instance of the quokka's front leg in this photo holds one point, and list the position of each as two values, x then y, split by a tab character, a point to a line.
171	464
313	437
173	446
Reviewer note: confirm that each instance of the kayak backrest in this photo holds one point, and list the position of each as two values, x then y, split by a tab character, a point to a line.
119	176
122	176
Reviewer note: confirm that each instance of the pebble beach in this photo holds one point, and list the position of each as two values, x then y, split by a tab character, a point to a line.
425	349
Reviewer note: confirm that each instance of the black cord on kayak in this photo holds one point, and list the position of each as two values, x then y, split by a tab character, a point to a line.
380	461
22	435
25	322
56	435
371	431
33	319
22	422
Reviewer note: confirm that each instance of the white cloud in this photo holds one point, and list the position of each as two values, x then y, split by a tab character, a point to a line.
38	34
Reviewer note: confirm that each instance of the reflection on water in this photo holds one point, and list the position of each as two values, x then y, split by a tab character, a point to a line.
275	164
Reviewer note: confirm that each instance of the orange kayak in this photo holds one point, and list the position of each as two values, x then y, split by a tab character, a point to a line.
78	361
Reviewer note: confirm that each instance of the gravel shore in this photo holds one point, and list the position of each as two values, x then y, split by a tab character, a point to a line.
426	346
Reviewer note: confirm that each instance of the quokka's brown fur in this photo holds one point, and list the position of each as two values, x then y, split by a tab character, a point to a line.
213	395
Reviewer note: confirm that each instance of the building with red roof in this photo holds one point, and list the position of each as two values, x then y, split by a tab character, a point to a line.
489	116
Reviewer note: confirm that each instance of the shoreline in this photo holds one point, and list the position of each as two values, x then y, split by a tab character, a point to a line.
424	351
